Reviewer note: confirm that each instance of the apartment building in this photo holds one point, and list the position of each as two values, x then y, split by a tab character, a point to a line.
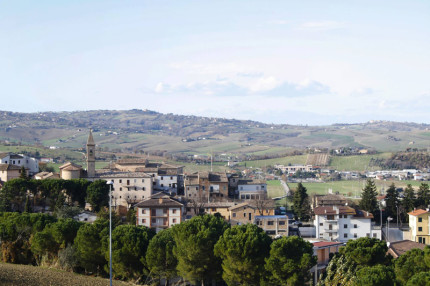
419	226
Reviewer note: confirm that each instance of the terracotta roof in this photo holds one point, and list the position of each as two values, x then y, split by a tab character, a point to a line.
400	247
159	200
47	175
70	164
418	212
246	204
330	210
326	243
123	174
363	214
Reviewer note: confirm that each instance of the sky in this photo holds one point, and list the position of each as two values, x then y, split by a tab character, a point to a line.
290	62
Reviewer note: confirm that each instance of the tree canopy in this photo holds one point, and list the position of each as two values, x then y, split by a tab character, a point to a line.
243	250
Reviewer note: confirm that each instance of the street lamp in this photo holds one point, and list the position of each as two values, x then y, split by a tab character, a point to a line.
110	183
388	228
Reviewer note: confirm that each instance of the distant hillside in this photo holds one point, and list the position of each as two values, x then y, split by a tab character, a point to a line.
137	130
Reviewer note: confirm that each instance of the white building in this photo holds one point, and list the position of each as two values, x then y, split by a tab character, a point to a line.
160	211
20	160
294	168
342	223
251	189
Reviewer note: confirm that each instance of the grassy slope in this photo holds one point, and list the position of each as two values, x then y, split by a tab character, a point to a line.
25	275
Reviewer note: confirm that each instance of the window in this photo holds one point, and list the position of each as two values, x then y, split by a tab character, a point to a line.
153	212
345	226
153	220
162	185
120	181
214	209
197	188
164	211
321	224
282	222
143	211
355	235
420	228
113	181
171	178
345	235
143	220
173	211
420	219
188	188
135	180
355	226
234	214
330	217
174	220
345	216
244	214
374	235
143	180
128	182
161	178
270	222
143	188
135	188
203	188
120	189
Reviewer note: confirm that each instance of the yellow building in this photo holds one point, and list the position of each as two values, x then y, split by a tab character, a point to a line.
419	221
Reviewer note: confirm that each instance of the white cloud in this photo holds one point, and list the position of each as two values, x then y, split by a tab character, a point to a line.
264	84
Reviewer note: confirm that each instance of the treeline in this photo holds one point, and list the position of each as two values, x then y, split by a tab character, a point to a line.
202	250
364	262
25	194
408	160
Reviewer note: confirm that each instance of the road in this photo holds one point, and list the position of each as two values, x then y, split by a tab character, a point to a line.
286	189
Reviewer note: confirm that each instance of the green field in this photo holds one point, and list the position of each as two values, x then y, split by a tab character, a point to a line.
293	160
350	188
356	163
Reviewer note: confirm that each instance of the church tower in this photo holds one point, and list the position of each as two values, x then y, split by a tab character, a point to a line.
91	156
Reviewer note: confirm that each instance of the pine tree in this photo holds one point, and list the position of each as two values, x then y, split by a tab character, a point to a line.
392	201
300	200
423	196
23	173
368	197
408	201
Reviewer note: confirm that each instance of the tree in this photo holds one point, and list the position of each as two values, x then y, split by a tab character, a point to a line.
368	197
195	240
129	244
423	196
243	250
409	264
420	279
357	254
88	243
380	275
408	201
290	260
159	256
23	173
98	194
299	203
392	201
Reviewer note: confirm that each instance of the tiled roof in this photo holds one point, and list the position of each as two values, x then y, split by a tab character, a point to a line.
326	243
251	182
363	214
159	200
400	247
418	212
70	164
8	167
330	210
2	155
123	174
332	197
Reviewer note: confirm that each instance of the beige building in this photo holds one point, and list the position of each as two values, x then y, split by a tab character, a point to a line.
9	172
128	188
70	171
419	226
160	211
222	208
249	189
246	212
206	186
274	225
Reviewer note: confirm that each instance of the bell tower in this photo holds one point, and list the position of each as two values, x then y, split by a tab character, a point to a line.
91	156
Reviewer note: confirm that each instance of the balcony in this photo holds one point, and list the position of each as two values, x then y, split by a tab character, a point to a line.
330	230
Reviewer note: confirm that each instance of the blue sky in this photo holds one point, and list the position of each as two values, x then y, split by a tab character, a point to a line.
296	62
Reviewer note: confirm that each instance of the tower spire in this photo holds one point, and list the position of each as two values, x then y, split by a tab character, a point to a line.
91	156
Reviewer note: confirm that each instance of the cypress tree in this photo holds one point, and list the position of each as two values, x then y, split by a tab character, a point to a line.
368	197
